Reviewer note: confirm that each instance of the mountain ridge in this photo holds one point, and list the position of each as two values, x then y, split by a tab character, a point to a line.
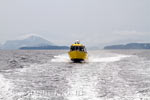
48	47
129	46
32	40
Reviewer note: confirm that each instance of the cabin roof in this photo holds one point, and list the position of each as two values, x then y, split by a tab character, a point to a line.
77	45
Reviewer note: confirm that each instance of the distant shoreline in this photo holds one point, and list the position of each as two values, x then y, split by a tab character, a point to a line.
129	46
49	47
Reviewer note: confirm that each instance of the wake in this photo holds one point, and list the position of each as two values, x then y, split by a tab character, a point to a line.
61	58
5	89
107	59
92	58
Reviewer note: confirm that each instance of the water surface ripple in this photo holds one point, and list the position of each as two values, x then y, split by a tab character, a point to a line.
50	75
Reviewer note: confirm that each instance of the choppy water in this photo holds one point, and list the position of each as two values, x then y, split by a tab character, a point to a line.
50	75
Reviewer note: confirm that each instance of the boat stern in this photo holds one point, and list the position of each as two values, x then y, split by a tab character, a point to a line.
77	56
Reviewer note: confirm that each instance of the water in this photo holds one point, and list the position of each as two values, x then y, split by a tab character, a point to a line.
50	75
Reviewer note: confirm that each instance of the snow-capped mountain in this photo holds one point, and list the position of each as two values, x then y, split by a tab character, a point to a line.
26	41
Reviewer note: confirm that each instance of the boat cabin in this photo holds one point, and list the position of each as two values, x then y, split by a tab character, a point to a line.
77	48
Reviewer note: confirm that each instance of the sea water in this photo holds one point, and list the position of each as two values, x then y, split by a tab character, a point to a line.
50	75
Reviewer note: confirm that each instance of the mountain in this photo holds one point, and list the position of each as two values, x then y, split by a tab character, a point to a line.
130	46
28	41
48	47
0	45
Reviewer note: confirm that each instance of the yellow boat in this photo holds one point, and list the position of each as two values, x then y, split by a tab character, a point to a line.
78	52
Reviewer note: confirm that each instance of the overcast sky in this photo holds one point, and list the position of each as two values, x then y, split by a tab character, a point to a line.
94	22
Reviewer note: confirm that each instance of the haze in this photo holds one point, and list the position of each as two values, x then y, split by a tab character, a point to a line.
93	22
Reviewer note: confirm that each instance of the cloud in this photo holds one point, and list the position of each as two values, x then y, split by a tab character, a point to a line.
94	22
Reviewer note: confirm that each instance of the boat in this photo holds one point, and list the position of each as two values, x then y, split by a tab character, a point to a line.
78	52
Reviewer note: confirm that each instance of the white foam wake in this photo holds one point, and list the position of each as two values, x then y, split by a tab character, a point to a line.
5	89
107	59
61	58
91	58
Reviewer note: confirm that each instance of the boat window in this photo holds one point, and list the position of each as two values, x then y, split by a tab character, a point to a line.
72	48
79	48
76	47
85	49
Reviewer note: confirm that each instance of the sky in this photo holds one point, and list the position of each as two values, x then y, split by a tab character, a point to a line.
93	22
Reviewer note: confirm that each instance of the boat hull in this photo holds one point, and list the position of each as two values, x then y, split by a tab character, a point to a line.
77	56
